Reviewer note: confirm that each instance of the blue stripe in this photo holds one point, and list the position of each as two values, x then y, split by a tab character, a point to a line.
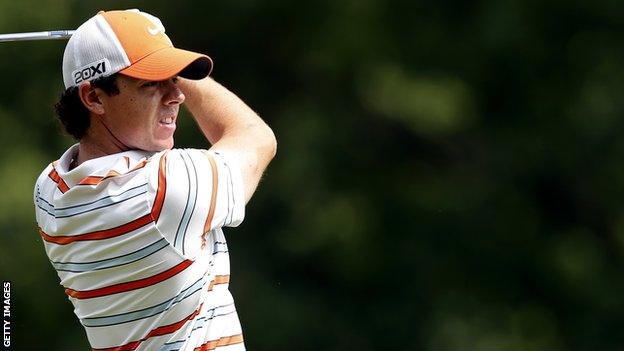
219	246
177	345
64	212
230	191
177	240
111	262
101	203
44	205
146	312
190	205
174	346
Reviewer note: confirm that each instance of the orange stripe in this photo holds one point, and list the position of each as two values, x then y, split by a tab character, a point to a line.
91	180
140	164
165	329
219	279
58	180
100	234
162	184
124	228
224	341
95	180
128	286
213	198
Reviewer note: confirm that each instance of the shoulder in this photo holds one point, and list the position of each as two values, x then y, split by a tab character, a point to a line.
176	159
43	178
178	169
45	174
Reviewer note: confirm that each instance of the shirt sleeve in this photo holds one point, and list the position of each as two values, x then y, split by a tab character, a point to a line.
202	191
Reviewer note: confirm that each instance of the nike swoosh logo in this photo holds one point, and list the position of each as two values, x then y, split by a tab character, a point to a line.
153	31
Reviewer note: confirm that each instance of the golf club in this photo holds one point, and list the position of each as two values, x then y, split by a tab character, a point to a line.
47	35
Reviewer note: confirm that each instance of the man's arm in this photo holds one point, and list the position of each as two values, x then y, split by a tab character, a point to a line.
232	127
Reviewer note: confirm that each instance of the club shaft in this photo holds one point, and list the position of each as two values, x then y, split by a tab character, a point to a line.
48	35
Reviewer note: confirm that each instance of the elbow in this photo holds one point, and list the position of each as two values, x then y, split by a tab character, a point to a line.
272	143
265	146
267	143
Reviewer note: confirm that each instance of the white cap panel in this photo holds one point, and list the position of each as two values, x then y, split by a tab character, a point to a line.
93	51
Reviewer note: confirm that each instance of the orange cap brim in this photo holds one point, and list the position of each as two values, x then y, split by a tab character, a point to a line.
170	62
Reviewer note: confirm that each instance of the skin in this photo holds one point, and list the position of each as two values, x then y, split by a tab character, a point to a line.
143	115
231	127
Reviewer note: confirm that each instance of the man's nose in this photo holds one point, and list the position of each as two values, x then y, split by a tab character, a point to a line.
173	95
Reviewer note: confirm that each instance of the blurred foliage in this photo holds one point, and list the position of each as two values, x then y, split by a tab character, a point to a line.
448	176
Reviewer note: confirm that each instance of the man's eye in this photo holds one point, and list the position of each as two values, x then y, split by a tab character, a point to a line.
150	84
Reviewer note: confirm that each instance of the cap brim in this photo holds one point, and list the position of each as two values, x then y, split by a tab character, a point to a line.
170	62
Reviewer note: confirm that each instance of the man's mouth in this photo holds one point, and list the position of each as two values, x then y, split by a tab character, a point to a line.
166	120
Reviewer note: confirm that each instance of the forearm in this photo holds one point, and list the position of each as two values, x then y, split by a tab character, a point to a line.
232	127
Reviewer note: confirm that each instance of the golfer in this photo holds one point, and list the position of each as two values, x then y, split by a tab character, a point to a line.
131	224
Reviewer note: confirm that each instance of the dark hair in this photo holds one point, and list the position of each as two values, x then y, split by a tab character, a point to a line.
74	116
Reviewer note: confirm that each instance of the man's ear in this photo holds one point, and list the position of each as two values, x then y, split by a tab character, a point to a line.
90	98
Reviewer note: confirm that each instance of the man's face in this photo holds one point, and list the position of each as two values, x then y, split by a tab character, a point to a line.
143	115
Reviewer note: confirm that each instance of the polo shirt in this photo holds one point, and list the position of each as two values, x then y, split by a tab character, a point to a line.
136	239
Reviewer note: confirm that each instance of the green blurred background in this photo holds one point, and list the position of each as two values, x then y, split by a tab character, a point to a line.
449	173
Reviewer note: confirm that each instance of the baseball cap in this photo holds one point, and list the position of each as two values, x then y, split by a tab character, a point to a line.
132	43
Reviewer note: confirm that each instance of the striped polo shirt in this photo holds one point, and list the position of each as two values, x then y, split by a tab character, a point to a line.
136	240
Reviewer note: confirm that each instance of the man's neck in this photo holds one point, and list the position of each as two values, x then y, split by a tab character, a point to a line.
89	149
97	142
